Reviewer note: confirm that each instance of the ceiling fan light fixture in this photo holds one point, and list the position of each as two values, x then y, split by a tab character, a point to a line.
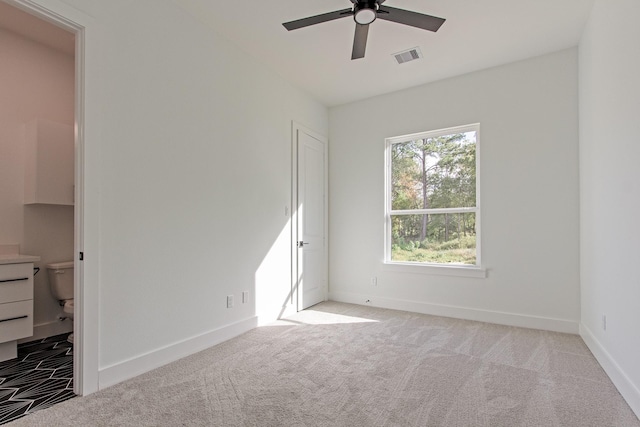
365	16
365	13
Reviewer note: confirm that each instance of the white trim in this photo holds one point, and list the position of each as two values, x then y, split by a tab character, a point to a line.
435	133
85	318
436	269
488	316
86	371
293	300
51	11
478	198
275	314
135	366
629	391
433	211
296	297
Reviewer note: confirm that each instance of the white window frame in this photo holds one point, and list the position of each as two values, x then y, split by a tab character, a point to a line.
476	270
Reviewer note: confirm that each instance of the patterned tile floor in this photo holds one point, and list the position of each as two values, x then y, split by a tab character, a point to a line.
40	377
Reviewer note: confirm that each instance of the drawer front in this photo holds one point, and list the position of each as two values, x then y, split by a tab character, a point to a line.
16	320
16	282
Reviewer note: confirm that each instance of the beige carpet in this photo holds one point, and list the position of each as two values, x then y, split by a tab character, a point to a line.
347	365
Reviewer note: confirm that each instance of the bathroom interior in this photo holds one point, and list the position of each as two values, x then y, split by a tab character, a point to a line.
36	194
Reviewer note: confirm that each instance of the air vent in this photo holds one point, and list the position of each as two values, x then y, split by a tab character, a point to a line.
408	55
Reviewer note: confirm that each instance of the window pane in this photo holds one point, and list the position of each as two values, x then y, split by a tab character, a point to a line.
436	238
431	173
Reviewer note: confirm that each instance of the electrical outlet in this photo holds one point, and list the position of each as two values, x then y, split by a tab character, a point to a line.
374	281
229	301
604	322
245	297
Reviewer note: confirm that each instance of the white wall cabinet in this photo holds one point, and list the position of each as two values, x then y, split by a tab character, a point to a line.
49	163
16	306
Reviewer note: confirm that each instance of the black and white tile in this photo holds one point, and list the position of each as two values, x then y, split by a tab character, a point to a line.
41	376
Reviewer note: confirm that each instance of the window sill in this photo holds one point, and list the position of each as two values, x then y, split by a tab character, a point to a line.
438	270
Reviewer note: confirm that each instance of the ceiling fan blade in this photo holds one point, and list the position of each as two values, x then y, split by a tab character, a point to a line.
413	19
360	41
318	19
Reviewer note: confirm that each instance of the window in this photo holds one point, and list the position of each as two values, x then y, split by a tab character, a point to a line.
432	204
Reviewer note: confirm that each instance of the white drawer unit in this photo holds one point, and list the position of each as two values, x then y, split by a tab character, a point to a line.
16	303
16	320
16	282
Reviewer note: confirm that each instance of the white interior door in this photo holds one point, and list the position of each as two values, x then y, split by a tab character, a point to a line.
311	219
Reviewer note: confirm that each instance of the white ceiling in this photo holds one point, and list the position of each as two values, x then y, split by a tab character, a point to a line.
477	34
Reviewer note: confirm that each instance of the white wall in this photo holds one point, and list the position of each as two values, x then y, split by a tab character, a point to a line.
529	194
36	82
610	191
188	169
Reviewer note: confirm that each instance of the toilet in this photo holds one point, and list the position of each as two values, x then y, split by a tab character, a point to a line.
61	284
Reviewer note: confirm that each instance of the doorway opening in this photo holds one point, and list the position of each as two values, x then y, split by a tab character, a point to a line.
52	36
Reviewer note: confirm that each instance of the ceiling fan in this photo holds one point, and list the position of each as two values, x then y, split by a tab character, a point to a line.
364	12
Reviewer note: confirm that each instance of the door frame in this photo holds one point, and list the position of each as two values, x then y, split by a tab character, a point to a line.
296	296
85	356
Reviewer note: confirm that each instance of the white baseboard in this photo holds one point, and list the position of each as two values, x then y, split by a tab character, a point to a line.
49	329
498	317
133	367
272	316
287	311
626	387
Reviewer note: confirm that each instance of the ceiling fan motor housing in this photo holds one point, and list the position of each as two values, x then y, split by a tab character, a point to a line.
365	11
